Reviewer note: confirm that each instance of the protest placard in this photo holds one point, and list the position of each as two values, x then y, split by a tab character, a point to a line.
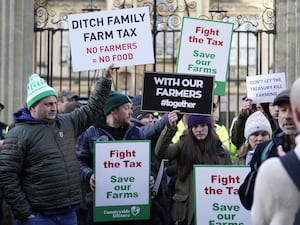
122	37
122	174
264	88
216	195
205	49
191	94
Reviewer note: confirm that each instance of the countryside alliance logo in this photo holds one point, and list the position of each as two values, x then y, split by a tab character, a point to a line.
135	210
124	213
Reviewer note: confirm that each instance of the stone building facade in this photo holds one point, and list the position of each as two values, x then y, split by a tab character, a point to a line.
17	41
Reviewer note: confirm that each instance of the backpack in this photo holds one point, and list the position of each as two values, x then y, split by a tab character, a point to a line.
246	189
292	165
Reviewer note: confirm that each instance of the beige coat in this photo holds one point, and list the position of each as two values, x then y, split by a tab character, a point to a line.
276	197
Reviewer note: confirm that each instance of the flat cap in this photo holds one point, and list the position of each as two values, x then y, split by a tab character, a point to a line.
282	97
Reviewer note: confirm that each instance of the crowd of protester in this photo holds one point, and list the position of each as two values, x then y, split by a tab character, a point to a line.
47	154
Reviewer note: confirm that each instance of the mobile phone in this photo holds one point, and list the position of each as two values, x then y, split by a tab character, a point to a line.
253	107
288	142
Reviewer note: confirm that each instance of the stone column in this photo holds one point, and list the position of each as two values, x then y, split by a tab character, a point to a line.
16	54
287	43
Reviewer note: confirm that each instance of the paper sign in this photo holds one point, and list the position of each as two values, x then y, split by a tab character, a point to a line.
164	92
205	48
122	174
264	88
122	37
216	195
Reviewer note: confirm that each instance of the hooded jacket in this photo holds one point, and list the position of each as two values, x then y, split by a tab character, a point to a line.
39	171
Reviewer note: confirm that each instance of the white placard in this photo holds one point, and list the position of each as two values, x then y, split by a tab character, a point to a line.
216	195
204	49
122	37
122	173
264	88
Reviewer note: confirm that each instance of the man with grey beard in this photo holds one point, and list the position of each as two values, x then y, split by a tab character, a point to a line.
282	138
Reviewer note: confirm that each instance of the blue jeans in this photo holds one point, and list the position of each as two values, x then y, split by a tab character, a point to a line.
56	219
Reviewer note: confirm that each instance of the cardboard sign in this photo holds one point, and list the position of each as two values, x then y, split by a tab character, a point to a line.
205	49
122	175
122	37
264	88
216	195
164	92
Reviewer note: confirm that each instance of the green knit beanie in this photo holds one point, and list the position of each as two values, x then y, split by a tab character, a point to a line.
115	100
37	89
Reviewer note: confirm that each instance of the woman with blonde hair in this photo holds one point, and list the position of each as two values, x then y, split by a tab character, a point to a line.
257	130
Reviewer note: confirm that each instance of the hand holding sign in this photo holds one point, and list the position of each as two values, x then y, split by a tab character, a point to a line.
108	72
92	182
173	118
247	107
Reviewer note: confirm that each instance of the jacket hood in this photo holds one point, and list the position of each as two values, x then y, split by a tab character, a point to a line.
23	115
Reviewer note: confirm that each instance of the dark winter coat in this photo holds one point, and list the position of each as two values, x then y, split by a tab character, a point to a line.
159	208
85	155
38	166
278	138
183	206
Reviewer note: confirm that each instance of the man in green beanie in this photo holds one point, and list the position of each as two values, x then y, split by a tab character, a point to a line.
39	172
118	126
118	112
